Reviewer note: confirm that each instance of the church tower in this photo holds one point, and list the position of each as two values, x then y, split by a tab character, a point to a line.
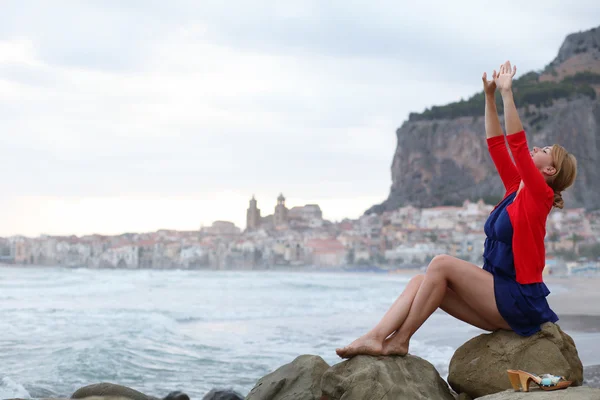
252	215
280	216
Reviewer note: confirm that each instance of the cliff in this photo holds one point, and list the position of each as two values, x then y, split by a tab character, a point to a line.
441	156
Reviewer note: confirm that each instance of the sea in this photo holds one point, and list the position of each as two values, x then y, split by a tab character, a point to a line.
159	331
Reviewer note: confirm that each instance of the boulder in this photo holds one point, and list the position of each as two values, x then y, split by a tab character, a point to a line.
176	395
298	380
384	378
222	394
572	393
479	366
105	389
104	398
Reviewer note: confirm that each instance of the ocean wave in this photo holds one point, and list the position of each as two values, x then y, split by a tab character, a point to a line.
122	327
438	355
10	389
189	320
319	286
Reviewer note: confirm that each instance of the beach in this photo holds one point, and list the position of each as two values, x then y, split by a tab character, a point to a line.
581	297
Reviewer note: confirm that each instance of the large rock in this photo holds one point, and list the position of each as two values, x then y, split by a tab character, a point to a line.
222	394
105	389
478	367
384	378
298	380
577	393
63	398
178	395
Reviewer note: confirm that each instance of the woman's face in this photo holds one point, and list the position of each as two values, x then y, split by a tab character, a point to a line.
542	158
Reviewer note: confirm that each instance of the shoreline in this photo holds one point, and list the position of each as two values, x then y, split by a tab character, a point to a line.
405	272
579	300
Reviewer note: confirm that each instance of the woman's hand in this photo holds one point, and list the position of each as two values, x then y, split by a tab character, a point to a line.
504	78
489	87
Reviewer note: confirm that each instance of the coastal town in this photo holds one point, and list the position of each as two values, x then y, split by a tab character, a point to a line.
301	237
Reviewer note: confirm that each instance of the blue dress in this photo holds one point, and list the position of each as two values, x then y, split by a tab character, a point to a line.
523	307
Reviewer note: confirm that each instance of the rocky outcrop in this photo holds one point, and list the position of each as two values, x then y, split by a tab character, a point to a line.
298	380
578	393
362	377
579	53
384	378
444	160
478	367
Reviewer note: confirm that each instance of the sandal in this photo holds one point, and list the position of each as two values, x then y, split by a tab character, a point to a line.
521	379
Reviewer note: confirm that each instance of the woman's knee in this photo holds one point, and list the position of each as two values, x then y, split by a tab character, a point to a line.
439	264
413	285
417	279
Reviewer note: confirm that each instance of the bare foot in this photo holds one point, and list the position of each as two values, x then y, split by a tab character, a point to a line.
395	346
363	345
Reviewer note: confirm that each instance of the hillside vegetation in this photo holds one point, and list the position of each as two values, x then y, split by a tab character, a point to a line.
527	90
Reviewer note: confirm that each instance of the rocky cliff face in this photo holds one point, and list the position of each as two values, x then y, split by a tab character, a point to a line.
445	161
579	52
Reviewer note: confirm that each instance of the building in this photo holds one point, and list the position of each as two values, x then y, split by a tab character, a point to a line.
326	252
252	216
281	212
22	251
221	228
307	212
121	255
309	216
6	255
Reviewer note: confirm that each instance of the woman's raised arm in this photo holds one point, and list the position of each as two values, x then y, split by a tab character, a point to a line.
495	138
532	178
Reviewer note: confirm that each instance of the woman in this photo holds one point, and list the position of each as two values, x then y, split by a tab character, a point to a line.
508	293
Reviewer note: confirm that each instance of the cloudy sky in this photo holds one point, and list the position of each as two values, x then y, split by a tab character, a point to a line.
132	115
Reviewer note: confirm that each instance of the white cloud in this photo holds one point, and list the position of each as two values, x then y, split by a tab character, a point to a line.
102	103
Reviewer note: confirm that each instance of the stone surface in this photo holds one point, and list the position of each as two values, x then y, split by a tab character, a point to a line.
222	394
478	367
444	162
176	395
87	398
106	389
384	378
576	393
298	380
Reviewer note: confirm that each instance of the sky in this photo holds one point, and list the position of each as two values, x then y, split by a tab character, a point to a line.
133	116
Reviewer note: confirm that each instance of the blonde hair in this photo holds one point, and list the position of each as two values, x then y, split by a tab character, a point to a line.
566	172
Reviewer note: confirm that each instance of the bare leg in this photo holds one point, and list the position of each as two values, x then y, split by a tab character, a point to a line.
459	309
372	342
471	284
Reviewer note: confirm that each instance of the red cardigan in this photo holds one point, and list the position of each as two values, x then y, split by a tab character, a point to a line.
529	210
